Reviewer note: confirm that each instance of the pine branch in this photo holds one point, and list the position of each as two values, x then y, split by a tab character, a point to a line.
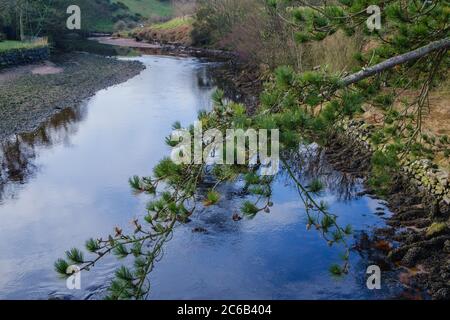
443	44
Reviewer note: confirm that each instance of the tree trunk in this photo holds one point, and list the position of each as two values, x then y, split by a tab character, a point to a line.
397	60
21	31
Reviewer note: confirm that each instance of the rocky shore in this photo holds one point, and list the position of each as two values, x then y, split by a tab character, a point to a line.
434	182
30	99
416	242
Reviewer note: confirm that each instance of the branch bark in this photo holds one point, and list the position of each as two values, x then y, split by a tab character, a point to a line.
397	60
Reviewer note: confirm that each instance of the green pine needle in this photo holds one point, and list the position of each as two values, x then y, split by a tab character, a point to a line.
124	274
61	266
135	183
249	209
315	186
74	255
212	197
217	97
348	230
120	251
92	245
336	270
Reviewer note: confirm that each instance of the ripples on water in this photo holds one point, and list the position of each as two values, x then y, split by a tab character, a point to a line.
67	182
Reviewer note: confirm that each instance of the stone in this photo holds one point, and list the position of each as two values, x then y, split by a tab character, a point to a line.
436	229
447	246
446	199
411	257
442	294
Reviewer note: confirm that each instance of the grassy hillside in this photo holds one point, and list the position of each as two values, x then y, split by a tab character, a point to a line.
173	23
177	30
148	8
104	15
99	15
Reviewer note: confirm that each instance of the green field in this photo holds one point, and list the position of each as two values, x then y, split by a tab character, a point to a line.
172	24
13	45
103	25
148	8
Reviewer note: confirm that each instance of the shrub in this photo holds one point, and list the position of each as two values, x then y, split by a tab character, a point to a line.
120	25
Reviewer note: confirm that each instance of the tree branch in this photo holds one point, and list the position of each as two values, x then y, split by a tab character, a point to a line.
397	60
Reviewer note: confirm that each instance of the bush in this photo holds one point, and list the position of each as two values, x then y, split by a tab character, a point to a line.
216	18
120	25
255	30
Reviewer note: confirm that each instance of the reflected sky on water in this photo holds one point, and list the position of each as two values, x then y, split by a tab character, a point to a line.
67	182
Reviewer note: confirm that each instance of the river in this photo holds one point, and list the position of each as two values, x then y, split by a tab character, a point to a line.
67	182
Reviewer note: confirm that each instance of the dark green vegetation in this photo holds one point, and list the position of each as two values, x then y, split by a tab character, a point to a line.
20	19
148	8
21	56
30	99
310	38
304	105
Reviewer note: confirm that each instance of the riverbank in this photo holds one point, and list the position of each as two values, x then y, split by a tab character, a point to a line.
400	246
177	49
27	99
416	240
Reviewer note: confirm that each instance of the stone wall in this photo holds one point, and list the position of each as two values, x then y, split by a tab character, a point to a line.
23	56
426	175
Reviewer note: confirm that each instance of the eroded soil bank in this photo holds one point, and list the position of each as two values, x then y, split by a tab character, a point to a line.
28	98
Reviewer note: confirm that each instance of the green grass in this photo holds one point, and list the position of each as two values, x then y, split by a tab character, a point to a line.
103	25
148	8
172	24
14	45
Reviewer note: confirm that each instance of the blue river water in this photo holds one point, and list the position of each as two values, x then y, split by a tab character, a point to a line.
67	182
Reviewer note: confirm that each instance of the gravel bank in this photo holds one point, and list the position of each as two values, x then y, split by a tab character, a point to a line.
29	100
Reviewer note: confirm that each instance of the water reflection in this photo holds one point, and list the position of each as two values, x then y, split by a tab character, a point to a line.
18	154
311	162
67	182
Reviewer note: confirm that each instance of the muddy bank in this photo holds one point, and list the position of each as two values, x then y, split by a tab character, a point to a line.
27	99
416	241
242	82
167	49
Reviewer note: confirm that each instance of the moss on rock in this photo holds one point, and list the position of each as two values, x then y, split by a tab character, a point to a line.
436	229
